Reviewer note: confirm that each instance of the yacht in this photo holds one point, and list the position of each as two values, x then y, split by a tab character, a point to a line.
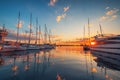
17	44
109	44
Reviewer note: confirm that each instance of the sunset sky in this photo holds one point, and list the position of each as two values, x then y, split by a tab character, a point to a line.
65	18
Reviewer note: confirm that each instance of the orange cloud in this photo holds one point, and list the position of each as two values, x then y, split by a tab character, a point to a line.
103	18
19	25
58	19
55	36
113	17
110	15
66	8
112	12
52	2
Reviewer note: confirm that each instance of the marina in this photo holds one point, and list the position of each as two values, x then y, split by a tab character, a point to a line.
66	63
59	40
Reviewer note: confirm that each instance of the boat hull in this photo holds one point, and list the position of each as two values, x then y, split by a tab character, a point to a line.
107	48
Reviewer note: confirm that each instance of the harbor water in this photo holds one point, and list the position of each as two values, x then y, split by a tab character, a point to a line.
62	63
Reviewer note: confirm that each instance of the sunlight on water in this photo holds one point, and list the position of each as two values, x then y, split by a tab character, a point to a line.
58	77
62	63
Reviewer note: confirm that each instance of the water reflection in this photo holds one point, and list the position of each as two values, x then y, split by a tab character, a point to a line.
63	63
109	63
1	61
107	60
14	66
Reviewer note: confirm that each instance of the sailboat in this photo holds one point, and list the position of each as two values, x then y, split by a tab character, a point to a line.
41	46
87	47
30	46
47	43
18	46
52	45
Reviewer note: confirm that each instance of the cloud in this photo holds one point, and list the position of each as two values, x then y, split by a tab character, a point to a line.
113	17
63	15
66	8
107	7
110	15
112	12
55	36
12	35
103	18
20	24
58	19
52	2
23	36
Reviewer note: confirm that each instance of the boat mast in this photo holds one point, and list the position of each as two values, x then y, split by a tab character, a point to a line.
30	27
84	35
25	37
89	31
101	30
18	26
45	35
36	30
49	36
39	34
3	27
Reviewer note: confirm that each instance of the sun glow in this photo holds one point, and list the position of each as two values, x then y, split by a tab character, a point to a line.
93	43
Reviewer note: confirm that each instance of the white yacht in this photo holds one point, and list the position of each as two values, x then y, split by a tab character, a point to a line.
107	50
110	45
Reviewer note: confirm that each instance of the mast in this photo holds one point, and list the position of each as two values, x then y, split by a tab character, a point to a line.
89	31
39	34
84	35
49	36
36	30
18	26
45	35
3	27
30	27
101	30
25	37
